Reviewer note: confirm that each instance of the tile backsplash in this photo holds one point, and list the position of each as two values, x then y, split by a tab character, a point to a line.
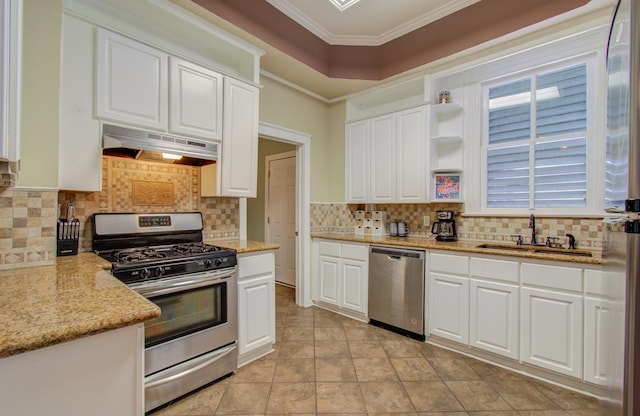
130	185
28	217
336	217
27	227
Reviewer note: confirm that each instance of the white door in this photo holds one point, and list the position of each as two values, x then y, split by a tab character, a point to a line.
281	213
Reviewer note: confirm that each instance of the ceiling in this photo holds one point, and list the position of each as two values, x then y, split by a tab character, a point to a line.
302	37
367	22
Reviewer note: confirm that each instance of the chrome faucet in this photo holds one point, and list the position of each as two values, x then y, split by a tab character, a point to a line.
532	225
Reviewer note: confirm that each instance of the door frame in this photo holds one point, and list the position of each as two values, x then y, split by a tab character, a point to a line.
303	205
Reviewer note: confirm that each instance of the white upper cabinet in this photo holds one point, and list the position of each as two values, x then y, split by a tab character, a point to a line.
383	161
10	59
79	144
239	160
385	158
410	157
132	82
357	162
144	87
196	100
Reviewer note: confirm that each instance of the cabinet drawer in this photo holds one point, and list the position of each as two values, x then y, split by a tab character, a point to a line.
355	252
494	269
255	265
564	278
328	248
448	263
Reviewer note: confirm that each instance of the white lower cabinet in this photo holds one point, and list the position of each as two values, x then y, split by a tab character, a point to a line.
100	375
494	306
551	318
604	327
342	276
448	307
256	305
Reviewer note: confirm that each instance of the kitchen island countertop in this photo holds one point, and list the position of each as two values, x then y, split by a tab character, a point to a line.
244	246
76	297
461	246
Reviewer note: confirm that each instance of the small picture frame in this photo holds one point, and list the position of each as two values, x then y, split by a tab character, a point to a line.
447	186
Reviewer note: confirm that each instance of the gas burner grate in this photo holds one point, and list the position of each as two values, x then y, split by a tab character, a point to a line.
195	248
138	254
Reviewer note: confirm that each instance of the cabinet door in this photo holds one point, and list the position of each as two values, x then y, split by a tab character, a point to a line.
494	319
383	159
449	307
196	100
256	313
357	161
552	330
355	281
10	62
132	82
239	159
411	155
329	280
599	330
79	143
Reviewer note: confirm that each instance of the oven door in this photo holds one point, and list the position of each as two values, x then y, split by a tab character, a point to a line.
198	315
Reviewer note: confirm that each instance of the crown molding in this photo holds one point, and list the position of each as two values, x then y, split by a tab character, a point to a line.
286	7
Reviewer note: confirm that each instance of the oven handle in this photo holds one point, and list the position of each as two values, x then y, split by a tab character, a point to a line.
172	285
218	355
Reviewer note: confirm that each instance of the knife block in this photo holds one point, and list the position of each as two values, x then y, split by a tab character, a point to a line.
68	237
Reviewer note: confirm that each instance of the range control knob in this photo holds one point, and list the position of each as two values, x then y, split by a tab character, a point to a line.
144	273
218	262
159	271
207	264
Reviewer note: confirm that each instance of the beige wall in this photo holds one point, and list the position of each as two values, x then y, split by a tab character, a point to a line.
286	107
40	80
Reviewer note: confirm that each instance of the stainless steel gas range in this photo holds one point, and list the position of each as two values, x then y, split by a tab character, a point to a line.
162	257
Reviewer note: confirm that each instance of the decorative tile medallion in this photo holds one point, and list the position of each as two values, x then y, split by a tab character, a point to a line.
152	193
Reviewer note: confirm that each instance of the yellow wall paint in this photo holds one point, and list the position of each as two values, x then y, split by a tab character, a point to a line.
40	86
286	107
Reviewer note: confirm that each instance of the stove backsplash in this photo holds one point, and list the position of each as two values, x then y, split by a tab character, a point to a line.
142	186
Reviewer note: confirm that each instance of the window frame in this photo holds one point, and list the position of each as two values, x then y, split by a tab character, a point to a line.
595	150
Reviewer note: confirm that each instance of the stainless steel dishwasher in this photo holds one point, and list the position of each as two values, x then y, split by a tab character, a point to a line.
396	290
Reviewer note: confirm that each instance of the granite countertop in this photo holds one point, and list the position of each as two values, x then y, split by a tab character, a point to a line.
462	246
76	297
244	246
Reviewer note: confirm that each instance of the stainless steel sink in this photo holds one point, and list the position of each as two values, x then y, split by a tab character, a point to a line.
535	249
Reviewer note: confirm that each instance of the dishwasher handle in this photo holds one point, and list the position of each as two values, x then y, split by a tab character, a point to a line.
396	254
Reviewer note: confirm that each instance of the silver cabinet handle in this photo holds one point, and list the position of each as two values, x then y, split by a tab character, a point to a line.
218	355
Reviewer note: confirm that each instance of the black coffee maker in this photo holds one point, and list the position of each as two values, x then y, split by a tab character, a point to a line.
445	228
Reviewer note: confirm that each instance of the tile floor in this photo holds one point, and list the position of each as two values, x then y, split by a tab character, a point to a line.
328	364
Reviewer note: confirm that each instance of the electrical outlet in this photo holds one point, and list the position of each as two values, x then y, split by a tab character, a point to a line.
426	221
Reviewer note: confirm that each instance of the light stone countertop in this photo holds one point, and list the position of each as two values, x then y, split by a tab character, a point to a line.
244	246
76	297
461	246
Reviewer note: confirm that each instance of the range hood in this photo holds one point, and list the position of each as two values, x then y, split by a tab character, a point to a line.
140	144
